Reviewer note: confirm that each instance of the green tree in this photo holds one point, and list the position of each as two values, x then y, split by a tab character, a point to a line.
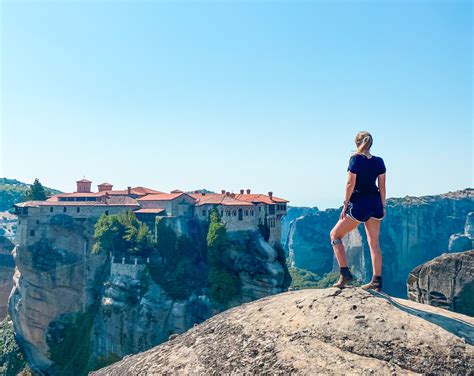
224	283
36	191
122	233
166	240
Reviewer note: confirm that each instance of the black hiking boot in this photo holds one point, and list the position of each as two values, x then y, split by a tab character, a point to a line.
374	284
345	278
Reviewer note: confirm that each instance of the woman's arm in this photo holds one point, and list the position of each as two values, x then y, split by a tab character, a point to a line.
381	182
351	181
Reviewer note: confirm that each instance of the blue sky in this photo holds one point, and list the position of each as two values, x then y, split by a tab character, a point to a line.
229	95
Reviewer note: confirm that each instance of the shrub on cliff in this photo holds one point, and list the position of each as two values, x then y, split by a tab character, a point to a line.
69	342
177	265
224	282
122	233
12	360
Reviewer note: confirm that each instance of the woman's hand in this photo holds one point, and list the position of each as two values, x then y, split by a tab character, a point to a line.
344	208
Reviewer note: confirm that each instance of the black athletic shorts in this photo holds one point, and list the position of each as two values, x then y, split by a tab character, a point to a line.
362	207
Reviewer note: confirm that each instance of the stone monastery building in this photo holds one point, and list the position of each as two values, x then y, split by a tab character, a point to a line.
242	211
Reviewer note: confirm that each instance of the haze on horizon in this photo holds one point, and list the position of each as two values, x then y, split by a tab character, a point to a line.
221	95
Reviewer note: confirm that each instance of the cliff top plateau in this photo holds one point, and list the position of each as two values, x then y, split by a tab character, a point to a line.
330	331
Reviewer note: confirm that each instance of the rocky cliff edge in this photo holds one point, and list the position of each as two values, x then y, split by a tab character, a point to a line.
330	331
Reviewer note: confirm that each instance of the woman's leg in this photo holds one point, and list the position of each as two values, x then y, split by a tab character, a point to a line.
342	227
372	229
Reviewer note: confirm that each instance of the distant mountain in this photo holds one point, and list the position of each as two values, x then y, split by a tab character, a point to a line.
13	191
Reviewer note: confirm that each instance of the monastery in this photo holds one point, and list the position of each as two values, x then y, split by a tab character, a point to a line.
242	211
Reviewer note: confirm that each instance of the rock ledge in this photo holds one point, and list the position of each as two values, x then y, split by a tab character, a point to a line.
328	331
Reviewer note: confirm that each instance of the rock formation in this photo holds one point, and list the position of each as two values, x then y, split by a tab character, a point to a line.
308	332
447	281
415	230
7	268
463	241
73	310
292	213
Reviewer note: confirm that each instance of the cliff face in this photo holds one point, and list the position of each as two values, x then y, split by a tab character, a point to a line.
73	310
310	332
415	230
7	268
446	281
292	213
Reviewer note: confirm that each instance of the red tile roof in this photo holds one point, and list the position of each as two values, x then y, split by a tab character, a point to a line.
152	211
111	201
219	199
162	197
144	190
260	198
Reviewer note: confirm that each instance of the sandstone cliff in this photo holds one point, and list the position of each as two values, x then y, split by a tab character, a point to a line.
447	281
310	332
73	310
415	230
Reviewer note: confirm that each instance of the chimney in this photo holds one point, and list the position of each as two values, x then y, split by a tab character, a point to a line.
223	191
105	187
129	190
242	191
270	194
248	191
232	195
203	193
227	193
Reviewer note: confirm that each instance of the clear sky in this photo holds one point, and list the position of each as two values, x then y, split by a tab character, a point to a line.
229	95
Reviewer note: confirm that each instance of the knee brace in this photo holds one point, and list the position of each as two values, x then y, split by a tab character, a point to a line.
336	241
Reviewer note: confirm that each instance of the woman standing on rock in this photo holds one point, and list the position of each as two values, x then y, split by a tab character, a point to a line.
364	202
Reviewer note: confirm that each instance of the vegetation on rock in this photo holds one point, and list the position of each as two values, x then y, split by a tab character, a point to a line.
12	360
122	234
69	341
305	279
224	281
176	264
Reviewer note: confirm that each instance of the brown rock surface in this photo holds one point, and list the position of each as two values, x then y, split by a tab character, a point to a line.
328	331
447	281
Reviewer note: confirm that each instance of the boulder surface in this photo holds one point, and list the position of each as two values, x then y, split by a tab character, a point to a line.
327	331
447	281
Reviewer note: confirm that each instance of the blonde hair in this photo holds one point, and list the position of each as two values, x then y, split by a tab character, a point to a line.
363	141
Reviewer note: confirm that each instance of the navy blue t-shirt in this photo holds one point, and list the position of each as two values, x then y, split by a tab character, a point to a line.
367	170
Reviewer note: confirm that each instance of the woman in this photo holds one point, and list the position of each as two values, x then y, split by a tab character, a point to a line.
364	202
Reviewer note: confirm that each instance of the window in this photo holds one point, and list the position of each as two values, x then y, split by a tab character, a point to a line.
259	208
106	212
260	221
246	213
251	212
64	209
228	213
32	233
222	213
234	213
271	209
51	209
203	213
78	209
37	222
